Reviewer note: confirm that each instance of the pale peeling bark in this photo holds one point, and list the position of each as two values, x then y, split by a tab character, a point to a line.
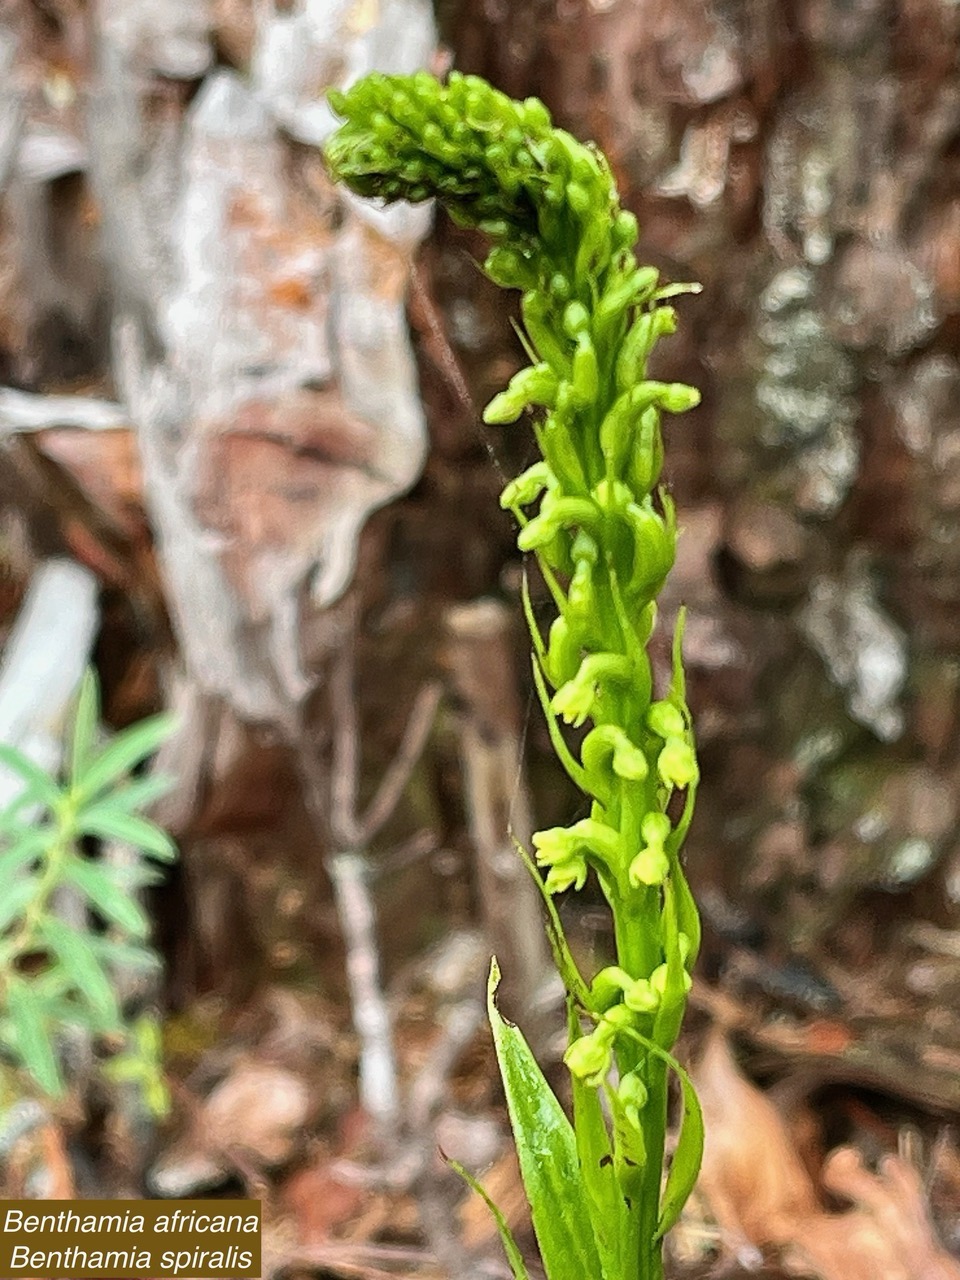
11	113
43	660
262	345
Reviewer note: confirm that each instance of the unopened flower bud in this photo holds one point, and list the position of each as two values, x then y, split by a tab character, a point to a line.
536	384
658	980
576	319
527	487
665	719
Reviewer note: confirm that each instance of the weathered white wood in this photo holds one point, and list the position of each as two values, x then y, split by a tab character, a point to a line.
206	613
44	658
11	106
269	428
171	37
45	154
333	41
23	411
379	1096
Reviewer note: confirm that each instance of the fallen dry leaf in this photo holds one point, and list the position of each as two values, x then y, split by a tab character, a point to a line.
256	1113
760	1193
888	1234
752	1175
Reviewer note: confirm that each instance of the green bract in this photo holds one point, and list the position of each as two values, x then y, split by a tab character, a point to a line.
604	535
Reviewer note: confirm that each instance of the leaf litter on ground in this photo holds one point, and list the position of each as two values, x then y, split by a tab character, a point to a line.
762	1195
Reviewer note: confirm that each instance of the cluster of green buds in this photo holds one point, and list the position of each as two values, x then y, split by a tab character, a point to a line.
602	530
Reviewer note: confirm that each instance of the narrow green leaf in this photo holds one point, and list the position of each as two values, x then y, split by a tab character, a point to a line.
126	955
688	1156
533	627
514	1256
678	679
33	1039
83	965
575	770
562	956
72	1013
86	721
673	1001
43	787
10	824
141	792
51	983
112	903
113	824
126	750
134	876
15	899
19	856
547	1150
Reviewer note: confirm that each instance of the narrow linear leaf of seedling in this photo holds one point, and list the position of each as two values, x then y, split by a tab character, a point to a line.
81	962
15	860
126	955
54	973
141	792
108	822
124	753
10	824
42	787
27	1017
85	724
112	903
15	898
547	1149
514	1256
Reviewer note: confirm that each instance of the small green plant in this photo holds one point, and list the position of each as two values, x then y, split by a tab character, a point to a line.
604	536
56	975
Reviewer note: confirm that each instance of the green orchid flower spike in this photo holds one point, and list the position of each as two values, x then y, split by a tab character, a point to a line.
604	535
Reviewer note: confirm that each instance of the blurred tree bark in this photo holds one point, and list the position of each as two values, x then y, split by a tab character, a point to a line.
801	160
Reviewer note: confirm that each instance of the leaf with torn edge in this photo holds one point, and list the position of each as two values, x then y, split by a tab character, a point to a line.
547	1149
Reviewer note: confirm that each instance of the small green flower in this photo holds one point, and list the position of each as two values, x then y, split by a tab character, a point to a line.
658	980
570	873
633	1096
590	1057
677	764
608	746
528	486
651	865
665	719
641	996
575	700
